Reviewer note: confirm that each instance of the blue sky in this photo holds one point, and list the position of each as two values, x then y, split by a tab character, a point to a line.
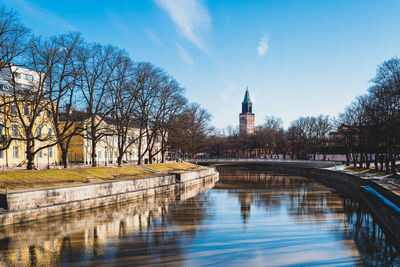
298	58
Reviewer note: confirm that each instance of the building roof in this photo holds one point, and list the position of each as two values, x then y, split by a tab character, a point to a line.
246	99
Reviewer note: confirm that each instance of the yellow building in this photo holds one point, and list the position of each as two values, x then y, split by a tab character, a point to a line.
17	112
80	148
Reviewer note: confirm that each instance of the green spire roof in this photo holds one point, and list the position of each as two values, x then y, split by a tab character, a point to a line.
246	99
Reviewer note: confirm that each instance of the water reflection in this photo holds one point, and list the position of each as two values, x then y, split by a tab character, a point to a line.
310	203
249	217
114	234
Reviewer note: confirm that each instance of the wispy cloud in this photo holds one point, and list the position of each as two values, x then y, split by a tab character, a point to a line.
262	48
153	37
116	21
184	55
190	16
44	15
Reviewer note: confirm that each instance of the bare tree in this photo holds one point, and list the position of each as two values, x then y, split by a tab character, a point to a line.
385	112
14	37
308	135
14	41
63	84
97	64
123	94
190	129
29	102
169	102
147	80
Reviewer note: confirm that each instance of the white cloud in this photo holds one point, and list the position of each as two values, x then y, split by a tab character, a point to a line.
263	46
190	16
44	15
184	55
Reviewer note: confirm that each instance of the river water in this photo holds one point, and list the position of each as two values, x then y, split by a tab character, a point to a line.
249	218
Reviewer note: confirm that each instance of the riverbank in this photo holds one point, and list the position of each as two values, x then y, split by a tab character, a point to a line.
30	204
28	179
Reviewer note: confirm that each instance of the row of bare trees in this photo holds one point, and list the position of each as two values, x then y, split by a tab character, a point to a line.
306	136
83	88
369	128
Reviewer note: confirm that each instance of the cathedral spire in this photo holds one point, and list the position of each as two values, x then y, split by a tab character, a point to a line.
246	104
246	99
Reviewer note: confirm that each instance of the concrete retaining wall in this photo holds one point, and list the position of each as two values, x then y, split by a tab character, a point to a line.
25	205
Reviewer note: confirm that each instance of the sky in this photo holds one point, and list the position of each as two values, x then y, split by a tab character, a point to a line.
297	57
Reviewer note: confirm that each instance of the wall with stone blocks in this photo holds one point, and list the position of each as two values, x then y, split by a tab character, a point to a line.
187	176
28	199
25	205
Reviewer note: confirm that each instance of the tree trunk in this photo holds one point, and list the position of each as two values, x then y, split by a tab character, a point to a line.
387	167
119	160
163	156
393	163
367	160
354	160
64	158
93	154
64	155
29	155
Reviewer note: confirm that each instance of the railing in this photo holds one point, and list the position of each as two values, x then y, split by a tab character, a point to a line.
252	160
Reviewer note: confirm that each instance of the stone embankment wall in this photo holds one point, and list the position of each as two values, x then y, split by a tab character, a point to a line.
25	205
24	235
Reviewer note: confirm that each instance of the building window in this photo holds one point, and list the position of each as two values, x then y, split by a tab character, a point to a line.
27	77
26	111
39	132
24	86
15	152
40	154
14	110
14	130
50	152
111	155
1	154
1	130
48	114
99	154
49	132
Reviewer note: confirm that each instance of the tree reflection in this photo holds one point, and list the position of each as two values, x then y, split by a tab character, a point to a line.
148	231
308	200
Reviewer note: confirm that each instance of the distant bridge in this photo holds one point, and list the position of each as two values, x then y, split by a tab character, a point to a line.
281	162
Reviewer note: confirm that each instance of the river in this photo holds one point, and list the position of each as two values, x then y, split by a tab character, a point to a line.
249	218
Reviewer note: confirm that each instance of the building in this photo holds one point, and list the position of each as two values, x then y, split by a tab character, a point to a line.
18	111
246	118
80	148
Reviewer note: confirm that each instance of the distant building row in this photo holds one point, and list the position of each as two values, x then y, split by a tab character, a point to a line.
80	148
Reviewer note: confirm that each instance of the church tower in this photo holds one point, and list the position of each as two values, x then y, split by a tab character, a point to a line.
246	118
